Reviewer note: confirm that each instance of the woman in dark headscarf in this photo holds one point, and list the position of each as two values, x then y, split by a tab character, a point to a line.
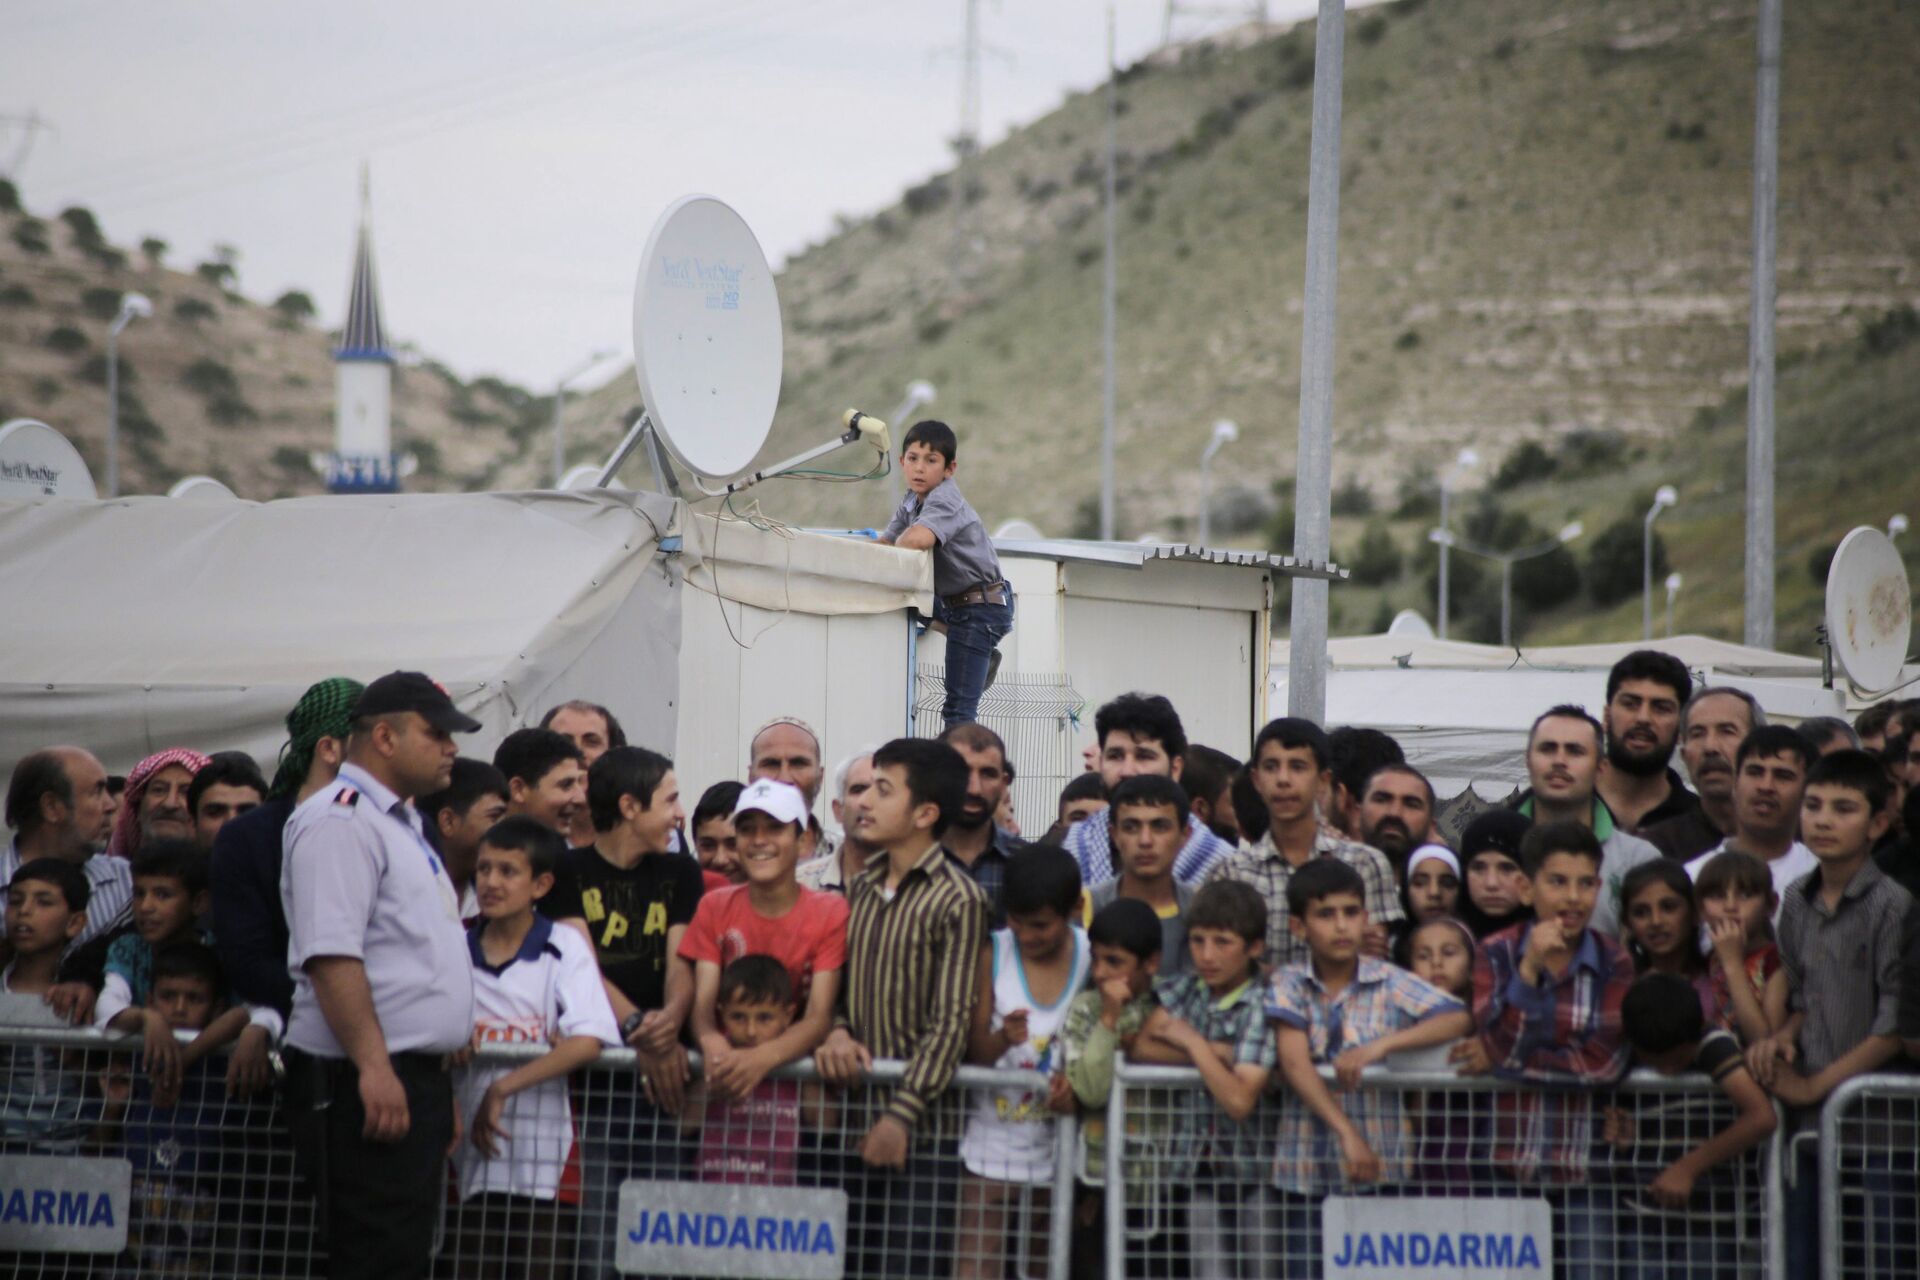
1494	895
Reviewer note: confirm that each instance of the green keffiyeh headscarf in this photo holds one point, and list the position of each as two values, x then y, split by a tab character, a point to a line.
322	712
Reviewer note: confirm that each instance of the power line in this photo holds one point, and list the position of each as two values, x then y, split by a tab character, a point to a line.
31	125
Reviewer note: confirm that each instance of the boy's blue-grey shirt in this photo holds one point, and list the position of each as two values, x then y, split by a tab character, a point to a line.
963	556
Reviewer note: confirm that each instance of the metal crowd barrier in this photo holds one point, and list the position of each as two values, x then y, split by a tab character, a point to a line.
1869	1183
1464	1183
99	1178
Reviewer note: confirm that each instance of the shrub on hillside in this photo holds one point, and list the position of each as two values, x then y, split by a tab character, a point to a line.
9	197
193	310
1614	571
154	249
210	378
1418	495
1591	453
1378	561
1370	29
16	295
1527	463
31	235
928	196
295	308
67	340
101	303
1891	331
1820	561
84	226
218	274
230	410
1352	499
291	459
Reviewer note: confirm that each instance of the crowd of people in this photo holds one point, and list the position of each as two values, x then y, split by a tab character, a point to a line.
351	931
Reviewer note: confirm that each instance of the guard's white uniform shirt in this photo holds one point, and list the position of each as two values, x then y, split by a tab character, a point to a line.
360	880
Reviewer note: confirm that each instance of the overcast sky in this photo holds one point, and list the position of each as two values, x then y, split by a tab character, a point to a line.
519	152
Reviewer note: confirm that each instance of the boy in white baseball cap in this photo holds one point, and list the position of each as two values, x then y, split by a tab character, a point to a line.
772	914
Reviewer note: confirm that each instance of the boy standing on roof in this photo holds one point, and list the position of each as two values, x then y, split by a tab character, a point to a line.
972	602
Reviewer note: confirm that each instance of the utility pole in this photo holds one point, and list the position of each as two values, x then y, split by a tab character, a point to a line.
1766	189
1313	470
966	144
1255	12
31	124
1108	289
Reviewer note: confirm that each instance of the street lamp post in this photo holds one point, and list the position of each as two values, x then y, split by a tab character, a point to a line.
1673	589
1664	498
1224	432
132	306
920	393
1896	525
560	399
1444	539
1465	461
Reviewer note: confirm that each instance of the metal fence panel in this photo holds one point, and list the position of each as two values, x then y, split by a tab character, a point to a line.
1476	1170
1868	1209
1036	714
771	1186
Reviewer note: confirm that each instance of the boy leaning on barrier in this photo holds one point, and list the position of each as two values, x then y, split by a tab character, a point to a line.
1662	1020
1546	997
41	1101
1213	1018
1350	1010
1103	1021
534	982
916	924
1839	937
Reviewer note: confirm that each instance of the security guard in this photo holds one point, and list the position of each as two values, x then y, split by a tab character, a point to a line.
383	991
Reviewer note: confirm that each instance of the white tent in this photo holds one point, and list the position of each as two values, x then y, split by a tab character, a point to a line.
142	623
1462	711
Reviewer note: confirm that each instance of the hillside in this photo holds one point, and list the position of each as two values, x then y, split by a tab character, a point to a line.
214	382
1544	230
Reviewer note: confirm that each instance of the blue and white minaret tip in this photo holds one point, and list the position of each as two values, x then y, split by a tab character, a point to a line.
363	337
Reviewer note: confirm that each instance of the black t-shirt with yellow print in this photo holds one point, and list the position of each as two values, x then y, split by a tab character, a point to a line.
628	914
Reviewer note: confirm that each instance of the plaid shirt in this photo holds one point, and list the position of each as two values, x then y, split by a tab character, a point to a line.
989	871
1565	1032
1263	866
1237	1149
1091	844
1088	1047
1379	1001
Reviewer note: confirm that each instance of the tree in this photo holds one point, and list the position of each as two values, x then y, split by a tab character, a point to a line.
1527	463
295	308
1614	571
155	249
1379	560
218	274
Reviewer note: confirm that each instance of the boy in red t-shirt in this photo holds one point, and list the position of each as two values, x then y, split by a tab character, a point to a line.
772	914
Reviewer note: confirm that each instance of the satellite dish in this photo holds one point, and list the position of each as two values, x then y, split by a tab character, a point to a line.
38	462
1408	622
585	476
1869	610
202	489
706	337
1019	531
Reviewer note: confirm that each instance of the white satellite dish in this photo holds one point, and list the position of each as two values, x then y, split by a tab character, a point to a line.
1409	622
202	489
1869	610
707	350
706	337
38	462
1018	530
586	476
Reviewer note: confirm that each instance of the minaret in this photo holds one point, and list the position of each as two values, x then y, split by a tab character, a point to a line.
363	460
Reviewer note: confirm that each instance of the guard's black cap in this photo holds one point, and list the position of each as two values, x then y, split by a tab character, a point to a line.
413	691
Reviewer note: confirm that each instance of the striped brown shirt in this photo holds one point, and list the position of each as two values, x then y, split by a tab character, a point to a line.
910	971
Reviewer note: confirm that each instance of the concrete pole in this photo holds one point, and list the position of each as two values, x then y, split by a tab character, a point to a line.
559	440
1506	601
1108	289
1766	187
1313	470
1440	606
113	406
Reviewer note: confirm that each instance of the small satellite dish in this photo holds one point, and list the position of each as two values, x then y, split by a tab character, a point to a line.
706	337
1408	622
38	462
202	489
1869	610
1018	530
586	476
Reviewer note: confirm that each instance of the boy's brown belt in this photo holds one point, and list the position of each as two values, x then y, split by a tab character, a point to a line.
985	593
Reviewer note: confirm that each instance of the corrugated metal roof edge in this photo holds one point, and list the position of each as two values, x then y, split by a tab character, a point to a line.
1134	555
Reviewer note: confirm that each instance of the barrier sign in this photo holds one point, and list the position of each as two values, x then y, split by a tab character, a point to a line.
62	1204
1382	1238
721	1229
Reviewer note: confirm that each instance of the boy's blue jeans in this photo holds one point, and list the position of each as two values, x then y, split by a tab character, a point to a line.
973	632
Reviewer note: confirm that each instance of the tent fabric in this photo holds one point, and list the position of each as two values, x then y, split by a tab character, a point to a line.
790	570
142	623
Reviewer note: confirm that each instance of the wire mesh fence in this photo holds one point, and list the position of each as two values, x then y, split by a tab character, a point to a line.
594	1178
1460	1175
1868	1219
1036	714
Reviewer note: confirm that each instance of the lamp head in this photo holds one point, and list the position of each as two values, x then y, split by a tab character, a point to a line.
920	391
1896	524
135	306
1572	531
1666	496
1468	459
1440	537
1673	584
1225	431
